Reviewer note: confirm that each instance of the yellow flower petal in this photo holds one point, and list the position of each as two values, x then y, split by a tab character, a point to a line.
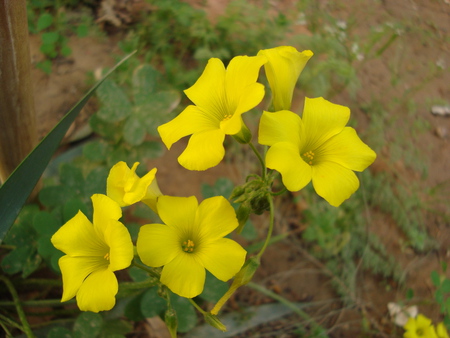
98	291
105	209
285	158
75	270
121	250
243	93
441	330
204	150
282	126
322	120
116	181
178	212
139	189
283	68
346	149
152	194
191	120
216	218
334	182
208	92
158	244
77	237
184	275
223	258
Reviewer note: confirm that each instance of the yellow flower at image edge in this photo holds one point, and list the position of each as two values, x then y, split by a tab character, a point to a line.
221	96
419	327
317	147
190	241
125	187
93	252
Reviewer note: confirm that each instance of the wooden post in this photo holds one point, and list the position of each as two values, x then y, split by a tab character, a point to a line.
18	133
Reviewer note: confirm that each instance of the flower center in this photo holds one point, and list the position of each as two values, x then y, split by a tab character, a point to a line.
227	117
188	246
308	157
106	256
419	332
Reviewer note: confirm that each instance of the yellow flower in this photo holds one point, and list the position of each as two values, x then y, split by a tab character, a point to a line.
441	330
93	252
126	188
419	327
221	96
317	147
283	68
190	241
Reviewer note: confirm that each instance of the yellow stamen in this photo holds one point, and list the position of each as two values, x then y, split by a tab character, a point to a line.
106	256
188	246
227	117
308	157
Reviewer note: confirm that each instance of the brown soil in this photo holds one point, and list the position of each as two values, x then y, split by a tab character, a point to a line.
287	267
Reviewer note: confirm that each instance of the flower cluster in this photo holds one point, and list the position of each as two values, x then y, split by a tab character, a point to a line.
190	239
422	326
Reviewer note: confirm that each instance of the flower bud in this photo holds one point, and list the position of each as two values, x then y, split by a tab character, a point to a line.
215	322
170	317
244	136
242	214
246	273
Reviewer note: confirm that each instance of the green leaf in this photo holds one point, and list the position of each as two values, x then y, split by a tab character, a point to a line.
116	329
95	151
55	195
45	66
105	129
44	21
49	50
16	189
150	149
137	275
223	187
145	79
16	260
446	286
96	181
435	278
71	208
88	325
214	289
134	131
187	317
82	30
49	38
45	223
157	109
115	104
31	264
151	304
59	332
65	50
133	309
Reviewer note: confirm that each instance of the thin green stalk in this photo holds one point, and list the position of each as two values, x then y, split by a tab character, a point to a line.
10	322
261	160
37	303
269	232
203	312
284	301
19	309
150	271
7	332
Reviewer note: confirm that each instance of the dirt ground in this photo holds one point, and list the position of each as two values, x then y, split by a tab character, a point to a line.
287	268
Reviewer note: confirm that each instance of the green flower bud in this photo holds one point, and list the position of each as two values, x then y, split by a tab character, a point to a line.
214	322
242	214
244	136
246	273
170	317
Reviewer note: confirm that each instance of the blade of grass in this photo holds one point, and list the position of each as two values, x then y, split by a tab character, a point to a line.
19	185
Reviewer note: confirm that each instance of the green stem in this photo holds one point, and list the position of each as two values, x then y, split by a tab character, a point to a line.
282	300
10	322
150	271
282	191
19	309
269	232
37	303
203	312
261	160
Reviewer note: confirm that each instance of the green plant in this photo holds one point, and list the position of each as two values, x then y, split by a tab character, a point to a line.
442	293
